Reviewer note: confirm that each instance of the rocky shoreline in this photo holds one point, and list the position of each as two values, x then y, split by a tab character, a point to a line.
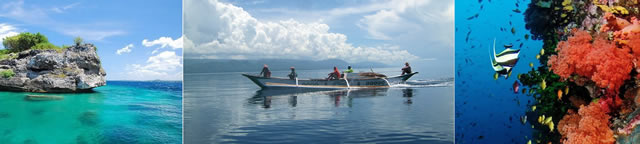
74	69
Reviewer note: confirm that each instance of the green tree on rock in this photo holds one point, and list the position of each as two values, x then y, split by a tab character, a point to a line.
23	41
78	41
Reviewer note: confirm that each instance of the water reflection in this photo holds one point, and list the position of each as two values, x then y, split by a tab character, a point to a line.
407	93
265	96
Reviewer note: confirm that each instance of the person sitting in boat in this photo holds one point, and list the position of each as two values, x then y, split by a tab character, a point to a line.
406	69
265	71
335	74
293	74
349	70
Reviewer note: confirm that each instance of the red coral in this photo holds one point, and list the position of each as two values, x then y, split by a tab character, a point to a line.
589	126
601	61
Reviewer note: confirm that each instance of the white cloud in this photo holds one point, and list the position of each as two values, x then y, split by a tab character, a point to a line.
164	66
92	34
426	18
7	30
126	49
35	15
164	42
220	30
64	8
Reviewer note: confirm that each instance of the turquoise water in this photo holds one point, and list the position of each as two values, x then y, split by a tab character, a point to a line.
121	112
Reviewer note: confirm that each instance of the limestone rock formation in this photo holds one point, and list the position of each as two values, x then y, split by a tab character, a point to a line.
75	69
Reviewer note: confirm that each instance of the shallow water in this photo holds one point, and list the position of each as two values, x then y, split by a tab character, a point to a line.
121	112
229	108
487	110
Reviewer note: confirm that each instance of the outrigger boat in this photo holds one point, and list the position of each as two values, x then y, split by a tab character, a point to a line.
350	80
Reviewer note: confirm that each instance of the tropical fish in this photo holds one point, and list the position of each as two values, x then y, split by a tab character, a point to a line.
504	61
548	120
543	84
541	51
551	126
513	30
516	11
537	56
523	119
516	87
566	90
531	64
559	94
533	108
540	118
529	142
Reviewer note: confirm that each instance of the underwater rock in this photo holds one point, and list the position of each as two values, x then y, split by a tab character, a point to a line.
89	118
75	69
42	98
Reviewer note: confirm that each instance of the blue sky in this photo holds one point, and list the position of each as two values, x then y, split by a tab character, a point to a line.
111	26
387	31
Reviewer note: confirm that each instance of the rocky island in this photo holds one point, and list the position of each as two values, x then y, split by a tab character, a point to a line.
30	63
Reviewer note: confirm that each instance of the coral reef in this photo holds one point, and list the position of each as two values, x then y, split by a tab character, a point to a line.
589	126
591	48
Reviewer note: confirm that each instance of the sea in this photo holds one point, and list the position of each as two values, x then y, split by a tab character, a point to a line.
487	110
120	112
229	108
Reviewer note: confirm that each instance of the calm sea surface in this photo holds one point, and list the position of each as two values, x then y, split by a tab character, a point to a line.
121	112
229	108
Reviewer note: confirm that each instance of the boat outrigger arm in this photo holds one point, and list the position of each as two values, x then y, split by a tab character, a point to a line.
350	80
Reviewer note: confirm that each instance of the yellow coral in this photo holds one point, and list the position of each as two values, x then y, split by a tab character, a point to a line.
614	9
567	6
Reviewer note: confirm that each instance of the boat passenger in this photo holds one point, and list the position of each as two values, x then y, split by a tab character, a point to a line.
335	74
349	70
406	69
265	71
293	74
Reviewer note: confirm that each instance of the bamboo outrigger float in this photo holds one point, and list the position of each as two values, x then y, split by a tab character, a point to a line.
350	80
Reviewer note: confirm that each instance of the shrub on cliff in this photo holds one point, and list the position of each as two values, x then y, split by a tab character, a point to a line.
7	73
23	41
77	40
47	46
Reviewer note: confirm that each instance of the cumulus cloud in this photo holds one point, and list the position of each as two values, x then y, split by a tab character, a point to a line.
164	66
7	30
220	30
126	49
164	42
426	18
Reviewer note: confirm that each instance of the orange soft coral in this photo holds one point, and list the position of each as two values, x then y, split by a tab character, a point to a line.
614	23
589	126
600	61
613	64
570	55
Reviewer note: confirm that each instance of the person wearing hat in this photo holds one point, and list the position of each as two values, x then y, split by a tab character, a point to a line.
349	70
293	74
265	71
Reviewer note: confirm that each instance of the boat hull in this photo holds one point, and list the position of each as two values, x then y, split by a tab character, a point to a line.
274	82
